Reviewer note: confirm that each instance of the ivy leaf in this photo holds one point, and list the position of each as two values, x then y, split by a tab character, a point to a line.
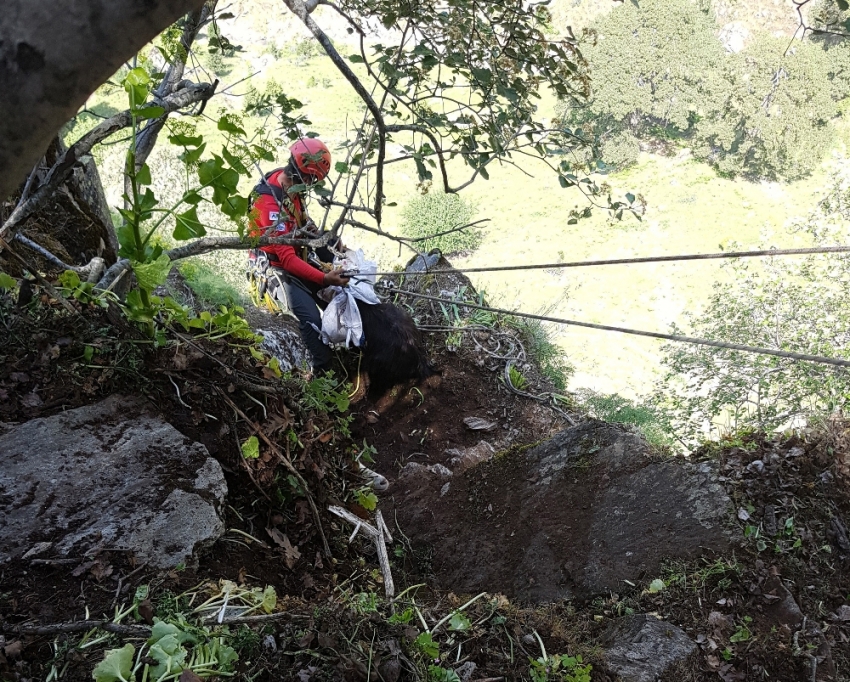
7	281
188	225
151	275
228	126
191	156
427	645
251	448
117	666
186	140
459	622
843	5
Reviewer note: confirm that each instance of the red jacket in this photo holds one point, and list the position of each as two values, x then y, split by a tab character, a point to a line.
264	214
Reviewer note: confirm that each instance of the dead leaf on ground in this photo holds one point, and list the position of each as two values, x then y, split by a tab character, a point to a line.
146	611
188	676
290	552
278	421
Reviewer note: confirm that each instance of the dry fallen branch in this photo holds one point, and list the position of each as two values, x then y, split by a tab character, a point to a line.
379	535
78	626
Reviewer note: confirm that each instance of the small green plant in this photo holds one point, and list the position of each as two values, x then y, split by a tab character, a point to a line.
171	649
438	674
517	378
71	286
366	498
561	668
742	633
426	644
402	617
326	394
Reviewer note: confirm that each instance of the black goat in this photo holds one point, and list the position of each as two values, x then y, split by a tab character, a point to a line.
393	352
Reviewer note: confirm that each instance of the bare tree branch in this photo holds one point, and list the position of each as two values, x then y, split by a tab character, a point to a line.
299	9
208	244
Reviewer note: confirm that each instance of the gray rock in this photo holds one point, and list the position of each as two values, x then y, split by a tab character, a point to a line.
110	476
642	648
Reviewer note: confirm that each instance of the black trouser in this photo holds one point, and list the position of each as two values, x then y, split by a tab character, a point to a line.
304	302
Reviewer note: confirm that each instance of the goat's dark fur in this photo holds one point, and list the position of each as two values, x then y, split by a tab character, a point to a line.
393	352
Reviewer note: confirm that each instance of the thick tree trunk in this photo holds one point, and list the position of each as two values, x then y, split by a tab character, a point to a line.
53	55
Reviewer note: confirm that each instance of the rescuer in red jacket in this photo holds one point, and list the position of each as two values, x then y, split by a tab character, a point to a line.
280	270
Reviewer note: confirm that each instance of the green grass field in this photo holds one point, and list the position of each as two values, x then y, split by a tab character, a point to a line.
690	210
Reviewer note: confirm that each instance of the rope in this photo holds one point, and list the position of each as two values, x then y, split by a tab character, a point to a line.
647	259
635	332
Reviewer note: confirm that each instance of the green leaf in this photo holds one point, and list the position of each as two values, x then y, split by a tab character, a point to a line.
427	645
192	197
137	86
143	175
169	655
251	448
235	207
186	140
656	586
162	629
355	59
843	5
341	167
149	112
459	622
630	197
191	156
234	161
188	226
226	125
7	281
69	279
151	275
269	597
117	666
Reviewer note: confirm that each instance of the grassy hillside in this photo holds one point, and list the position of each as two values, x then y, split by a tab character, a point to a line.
690	209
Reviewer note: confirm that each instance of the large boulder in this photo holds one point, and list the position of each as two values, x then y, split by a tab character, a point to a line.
113	476
573	517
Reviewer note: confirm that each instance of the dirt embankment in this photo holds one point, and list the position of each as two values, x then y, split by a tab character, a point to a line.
770	603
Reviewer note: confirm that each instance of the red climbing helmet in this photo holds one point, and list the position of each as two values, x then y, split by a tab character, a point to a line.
311	159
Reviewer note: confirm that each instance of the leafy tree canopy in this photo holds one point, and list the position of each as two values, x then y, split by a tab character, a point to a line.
653	62
772	113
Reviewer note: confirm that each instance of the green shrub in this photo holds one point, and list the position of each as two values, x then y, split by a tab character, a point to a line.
617	409
208	285
620	150
653	63
436	212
